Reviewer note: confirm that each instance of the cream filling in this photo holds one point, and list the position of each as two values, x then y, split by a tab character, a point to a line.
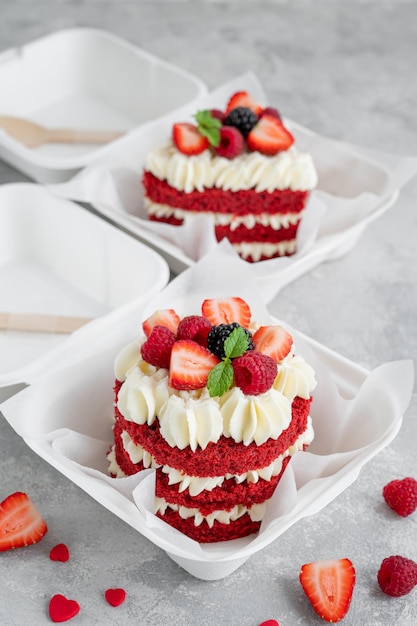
275	221
114	468
256	513
288	169
259	250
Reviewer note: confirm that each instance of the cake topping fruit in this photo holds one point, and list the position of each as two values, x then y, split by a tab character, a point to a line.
271	111
242	118
401	496
254	372
195	327
221	376
157	348
190	365
59	552
188	139
274	341
209	126
397	575
218	335
62	609
231	143
21	524
115	597
269	136
162	317
227	311
243	99
329	587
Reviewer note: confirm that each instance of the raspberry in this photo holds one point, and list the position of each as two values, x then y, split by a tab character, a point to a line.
218	335
218	115
241	118
397	575
254	372
194	327
401	496
271	111
157	348
231	143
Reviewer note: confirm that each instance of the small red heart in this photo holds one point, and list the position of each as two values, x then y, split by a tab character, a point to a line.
270	622
61	609
59	552
115	597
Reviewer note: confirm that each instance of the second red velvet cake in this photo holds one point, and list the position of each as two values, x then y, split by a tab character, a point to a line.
240	166
217	404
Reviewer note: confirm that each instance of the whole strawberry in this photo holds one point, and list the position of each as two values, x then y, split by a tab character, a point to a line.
397	575
401	496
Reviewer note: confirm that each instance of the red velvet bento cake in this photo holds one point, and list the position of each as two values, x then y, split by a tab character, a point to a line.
240	166
217	404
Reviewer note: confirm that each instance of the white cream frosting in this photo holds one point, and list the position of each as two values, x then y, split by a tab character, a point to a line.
256	512
275	221
295	378
141	396
258	418
268	250
288	169
188	421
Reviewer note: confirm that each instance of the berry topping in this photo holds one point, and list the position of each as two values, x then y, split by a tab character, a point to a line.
190	365
270	111
242	118
163	317
194	327
269	136
157	348
218	115
218	335
397	575
274	341
231	143
243	99
401	496
227	311
21	524
254	372
188	140
329	587
221	376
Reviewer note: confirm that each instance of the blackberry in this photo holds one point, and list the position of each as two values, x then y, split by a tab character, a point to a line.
242	118
218	335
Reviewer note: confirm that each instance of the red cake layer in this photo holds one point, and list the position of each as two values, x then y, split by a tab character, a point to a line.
204	534
243	202
122	457
221	498
225	456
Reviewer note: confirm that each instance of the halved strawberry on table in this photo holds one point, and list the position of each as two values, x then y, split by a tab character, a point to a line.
21	524
190	365
329	587
269	136
188	140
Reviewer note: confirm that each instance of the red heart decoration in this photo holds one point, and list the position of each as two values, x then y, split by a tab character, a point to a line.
59	552
61	609
115	597
270	622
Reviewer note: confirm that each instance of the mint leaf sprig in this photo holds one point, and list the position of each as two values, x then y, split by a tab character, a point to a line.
209	127
220	377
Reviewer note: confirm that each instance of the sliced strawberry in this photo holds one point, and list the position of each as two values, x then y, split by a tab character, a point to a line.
21	524
188	140
269	136
329	587
274	341
162	317
227	311
190	365
243	99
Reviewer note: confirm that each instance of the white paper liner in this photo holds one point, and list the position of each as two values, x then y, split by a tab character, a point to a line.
356	185
355	414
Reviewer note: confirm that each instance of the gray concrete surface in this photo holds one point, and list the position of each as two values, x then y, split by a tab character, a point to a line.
343	69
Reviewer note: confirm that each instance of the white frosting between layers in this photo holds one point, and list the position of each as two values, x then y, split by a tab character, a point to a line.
275	221
288	169
114	468
256	512
195	419
268	250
